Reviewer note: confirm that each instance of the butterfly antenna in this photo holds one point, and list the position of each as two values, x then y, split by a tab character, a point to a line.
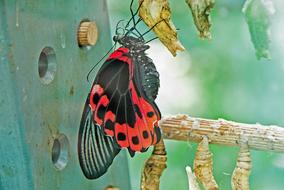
134	28
134	14
117	26
132	32
139	9
99	61
151	28
151	40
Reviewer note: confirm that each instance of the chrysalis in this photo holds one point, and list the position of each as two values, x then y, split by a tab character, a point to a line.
203	166
258	16
240	177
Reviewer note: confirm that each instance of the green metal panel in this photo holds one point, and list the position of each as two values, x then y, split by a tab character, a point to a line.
32	113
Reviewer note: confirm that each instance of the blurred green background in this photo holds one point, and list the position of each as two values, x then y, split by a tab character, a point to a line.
220	78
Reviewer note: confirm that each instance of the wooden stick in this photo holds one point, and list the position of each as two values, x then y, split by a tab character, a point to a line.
259	137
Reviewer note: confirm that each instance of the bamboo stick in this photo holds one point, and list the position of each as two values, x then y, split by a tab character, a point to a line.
223	132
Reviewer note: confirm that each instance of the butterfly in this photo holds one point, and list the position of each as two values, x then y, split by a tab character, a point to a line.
120	110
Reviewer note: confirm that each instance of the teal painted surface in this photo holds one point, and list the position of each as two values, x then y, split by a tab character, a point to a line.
32	114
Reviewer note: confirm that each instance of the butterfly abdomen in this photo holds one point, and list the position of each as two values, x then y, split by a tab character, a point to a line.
150	77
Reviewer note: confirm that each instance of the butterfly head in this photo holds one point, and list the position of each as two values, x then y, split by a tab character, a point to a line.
130	42
124	37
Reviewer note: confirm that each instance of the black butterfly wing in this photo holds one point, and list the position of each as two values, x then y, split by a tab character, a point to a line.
96	151
96	146
115	116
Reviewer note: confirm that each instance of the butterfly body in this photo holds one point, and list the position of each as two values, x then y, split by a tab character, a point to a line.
146	73
120	111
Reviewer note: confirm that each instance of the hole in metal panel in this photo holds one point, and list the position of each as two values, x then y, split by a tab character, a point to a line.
47	65
60	153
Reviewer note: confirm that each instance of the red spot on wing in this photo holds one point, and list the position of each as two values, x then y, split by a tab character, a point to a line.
140	124
122	55
118	53
125	59
144	125
104	101
125	50
109	132
109	116
134	138
146	107
96	90
121	135
155	140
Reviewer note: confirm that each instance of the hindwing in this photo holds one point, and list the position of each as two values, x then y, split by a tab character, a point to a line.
118	109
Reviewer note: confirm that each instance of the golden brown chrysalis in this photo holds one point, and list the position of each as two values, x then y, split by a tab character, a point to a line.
157	14
203	166
240	177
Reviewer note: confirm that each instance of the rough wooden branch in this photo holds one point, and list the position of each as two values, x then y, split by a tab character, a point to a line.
260	137
154	167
